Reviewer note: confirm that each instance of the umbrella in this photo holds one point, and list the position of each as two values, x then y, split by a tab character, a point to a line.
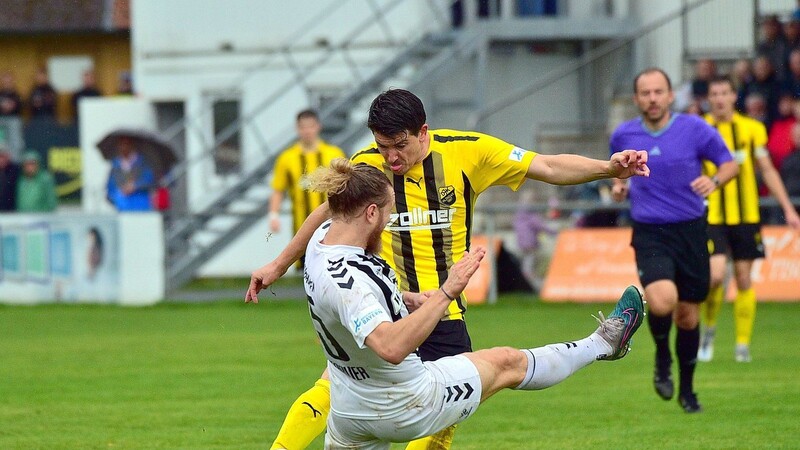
157	152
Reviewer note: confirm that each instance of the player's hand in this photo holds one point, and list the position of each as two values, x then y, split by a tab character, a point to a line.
275	225
628	163
461	271
260	279
414	300
703	186
619	191
792	219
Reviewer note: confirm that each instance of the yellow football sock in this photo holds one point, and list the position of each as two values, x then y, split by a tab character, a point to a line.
713	305
306	418
744	313
439	441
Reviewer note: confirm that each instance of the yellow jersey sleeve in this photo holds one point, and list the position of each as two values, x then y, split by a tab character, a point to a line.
368	155
494	162
280	173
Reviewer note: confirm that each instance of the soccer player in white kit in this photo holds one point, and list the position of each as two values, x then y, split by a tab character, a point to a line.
381	391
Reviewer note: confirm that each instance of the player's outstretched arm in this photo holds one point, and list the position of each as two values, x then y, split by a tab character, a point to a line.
565	169
393	341
268	274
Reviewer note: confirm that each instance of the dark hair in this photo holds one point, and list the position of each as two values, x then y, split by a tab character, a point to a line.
719	79
350	188
307	114
648	71
396	111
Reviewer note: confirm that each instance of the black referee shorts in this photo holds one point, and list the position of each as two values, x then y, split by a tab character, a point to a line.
449	338
742	242
674	251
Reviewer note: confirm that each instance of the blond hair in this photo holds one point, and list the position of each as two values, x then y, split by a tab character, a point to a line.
350	188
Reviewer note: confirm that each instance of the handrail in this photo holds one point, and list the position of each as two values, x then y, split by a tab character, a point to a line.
559	73
588	205
180	170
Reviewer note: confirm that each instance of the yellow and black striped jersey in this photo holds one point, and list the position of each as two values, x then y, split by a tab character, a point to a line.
431	222
737	202
291	165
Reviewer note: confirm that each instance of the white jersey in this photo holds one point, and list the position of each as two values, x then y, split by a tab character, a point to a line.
349	294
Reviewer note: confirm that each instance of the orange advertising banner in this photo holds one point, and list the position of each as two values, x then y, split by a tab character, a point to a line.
777	277
595	265
477	290
590	265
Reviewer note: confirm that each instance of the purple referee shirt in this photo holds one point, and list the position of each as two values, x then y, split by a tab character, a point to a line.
675	156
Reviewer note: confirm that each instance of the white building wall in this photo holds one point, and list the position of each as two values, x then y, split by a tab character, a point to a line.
196	50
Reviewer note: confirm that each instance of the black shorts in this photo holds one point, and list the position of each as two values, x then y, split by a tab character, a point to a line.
742	242
449	338
674	251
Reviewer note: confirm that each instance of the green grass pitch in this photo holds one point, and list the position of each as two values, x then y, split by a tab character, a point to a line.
221	376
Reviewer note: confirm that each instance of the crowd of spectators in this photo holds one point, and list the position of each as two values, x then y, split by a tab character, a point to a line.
28	188
768	89
42	100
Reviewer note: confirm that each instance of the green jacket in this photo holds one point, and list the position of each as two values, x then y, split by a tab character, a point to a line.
37	193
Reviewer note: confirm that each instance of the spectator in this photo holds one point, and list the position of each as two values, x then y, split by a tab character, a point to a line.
790	170
10	101
773	45
756	107
36	188
89	89
741	75
597	192
792	82
43	97
9	173
130	180
779	143
791	31
696	90
528	227
125	85
764	83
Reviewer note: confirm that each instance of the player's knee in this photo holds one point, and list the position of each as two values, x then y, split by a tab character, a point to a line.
686	317
506	359
717	280
743	281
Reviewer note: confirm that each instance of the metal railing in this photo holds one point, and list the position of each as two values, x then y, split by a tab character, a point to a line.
477	118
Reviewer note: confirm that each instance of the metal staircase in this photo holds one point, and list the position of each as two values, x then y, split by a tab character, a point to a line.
192	239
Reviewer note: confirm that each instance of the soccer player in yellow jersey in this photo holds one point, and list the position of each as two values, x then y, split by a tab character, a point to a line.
733	216
436	176
308	153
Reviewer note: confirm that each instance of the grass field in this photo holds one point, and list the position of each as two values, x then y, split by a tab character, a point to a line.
221	376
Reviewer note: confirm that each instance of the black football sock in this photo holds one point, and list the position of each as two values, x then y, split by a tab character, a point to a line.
659	328
686	344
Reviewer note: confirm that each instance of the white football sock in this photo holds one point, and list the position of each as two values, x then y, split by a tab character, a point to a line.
554	363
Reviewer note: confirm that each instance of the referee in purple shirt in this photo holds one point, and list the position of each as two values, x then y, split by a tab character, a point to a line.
669	222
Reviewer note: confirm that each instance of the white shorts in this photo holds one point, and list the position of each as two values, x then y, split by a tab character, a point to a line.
452	394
